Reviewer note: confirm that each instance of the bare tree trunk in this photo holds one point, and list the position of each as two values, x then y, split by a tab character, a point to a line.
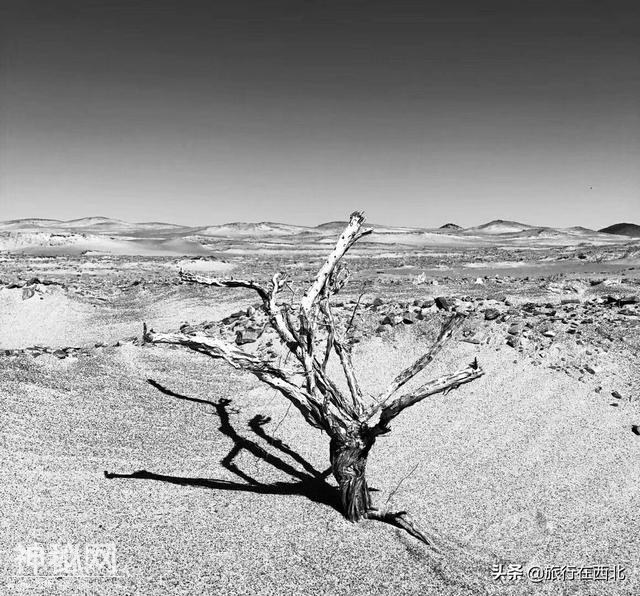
349	465
351	422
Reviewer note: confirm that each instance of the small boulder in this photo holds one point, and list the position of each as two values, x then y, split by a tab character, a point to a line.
408	317
490	314
444	303
514	329
391	320
246	336
28	293
513	341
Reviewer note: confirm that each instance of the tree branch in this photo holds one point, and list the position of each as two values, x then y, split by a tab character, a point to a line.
225	283
276	377
443	384
350	375
350	235
446	333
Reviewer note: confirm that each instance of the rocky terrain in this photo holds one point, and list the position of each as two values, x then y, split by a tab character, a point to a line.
535	462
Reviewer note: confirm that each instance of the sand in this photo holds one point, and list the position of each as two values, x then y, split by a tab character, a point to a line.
535	463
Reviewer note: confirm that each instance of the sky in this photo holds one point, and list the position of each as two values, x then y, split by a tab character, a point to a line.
419	113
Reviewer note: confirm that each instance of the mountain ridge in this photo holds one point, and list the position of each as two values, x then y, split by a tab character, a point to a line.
497	226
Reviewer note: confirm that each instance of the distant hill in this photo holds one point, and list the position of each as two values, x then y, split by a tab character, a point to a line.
333	225
102	235
264	228
580	230
502	226
88	224
623	229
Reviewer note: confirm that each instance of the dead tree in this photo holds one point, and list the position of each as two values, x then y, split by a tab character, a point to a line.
310	332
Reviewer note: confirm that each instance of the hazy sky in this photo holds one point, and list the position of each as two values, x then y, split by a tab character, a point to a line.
419	113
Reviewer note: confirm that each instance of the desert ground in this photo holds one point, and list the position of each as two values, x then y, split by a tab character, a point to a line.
211	483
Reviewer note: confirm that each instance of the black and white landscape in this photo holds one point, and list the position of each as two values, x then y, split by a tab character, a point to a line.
319	298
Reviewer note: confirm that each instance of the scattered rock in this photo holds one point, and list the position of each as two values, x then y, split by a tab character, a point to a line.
513	341
514	329
444	303
408	318
491	314
391	320
246	336
28	293
188	329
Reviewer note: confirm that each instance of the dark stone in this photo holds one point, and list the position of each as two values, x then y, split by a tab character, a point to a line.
186	329
514	329
513	341
491	314
444	303
408	318
391	320
246	336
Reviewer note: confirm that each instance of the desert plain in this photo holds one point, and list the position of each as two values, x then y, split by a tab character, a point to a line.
206	481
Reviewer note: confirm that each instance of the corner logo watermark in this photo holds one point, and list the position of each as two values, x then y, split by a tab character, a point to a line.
70	559
515	572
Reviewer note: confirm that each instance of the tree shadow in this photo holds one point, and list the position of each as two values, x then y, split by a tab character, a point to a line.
308	482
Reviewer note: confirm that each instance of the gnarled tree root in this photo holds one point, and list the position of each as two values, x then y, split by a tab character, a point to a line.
401	519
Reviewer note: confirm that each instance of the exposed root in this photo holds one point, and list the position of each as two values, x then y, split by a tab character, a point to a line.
401	519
